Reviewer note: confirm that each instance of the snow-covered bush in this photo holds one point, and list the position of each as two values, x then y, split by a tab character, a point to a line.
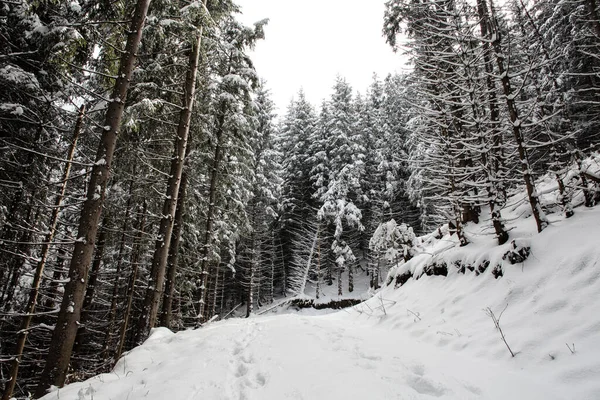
393	242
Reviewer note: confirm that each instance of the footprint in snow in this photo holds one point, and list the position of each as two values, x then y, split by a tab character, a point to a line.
418	369
425	386
241	370
248	358
261	379
362	354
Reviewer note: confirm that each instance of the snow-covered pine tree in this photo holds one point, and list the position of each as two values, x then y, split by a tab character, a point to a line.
263	205
297	137
231	131
343	153
440	124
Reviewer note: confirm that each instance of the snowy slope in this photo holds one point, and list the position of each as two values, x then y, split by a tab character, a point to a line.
298	357
429	338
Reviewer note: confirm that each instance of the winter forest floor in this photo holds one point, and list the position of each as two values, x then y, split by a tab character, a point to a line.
429	338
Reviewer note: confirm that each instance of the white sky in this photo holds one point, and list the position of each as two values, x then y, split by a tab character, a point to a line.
309	42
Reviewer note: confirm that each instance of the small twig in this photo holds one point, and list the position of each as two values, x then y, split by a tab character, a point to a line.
572	350
382	305
491	314
415	314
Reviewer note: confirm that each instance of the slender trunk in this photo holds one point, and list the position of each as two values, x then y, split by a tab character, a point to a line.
454	195
259	276
486	155
15	217
167	304
495	162
91	287
496	135
350	278
272	280
135	257
587	194
212	196
116	286
155	289
61	346
57	274
216	292
339	278
37	278
9	234
565	121
222	302
513	113
283	271
253	267
375	276
18	260
318	288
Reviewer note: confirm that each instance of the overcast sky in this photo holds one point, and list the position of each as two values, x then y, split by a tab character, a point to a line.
309	42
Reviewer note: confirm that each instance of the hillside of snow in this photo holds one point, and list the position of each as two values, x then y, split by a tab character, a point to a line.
425	338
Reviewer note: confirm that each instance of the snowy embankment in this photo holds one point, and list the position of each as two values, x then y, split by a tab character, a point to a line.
429	338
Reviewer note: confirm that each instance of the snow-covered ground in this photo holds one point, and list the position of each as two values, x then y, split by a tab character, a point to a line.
429	338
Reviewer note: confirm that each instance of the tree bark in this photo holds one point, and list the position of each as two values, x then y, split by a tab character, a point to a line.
215	292
318	287
61	346
91	287
253	267
212	197
155	289
136	252
56	276
484	27
112	313
167	304
350	278
339	278
37	278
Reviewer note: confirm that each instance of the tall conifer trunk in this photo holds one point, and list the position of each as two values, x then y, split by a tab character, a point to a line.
154	292
135	257
112	313
251	278
212	197
167	304
43	258
63	337
90	290
516	122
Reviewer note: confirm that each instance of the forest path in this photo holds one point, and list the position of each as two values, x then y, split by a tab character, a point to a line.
336	356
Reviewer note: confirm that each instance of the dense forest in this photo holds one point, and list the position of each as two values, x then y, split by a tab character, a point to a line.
146	180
